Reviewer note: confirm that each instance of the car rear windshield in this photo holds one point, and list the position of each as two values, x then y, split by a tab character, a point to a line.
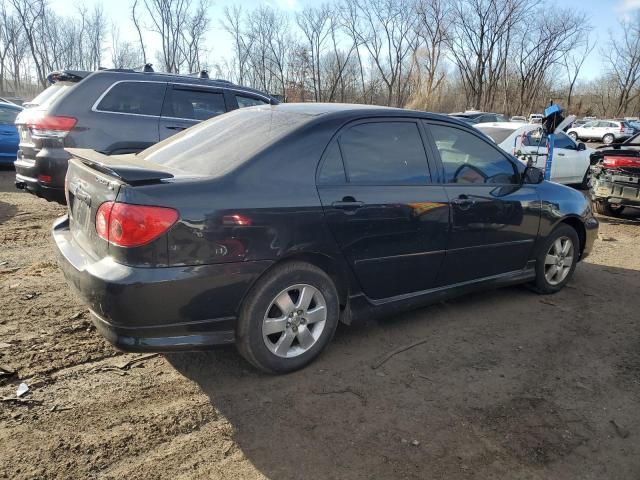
46	97
498	135
223	143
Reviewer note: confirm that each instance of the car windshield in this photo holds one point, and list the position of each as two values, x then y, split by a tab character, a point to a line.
223	143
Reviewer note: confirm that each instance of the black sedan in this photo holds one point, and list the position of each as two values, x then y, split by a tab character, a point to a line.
269	225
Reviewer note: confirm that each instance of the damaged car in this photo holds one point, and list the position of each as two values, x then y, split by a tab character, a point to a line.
615	177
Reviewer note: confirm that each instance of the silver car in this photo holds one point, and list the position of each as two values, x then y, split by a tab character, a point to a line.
607	131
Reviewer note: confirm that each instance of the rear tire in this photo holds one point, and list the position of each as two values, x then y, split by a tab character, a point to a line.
288	318
605	208
608	139
557	260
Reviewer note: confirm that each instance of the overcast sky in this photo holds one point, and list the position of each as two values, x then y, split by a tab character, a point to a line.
604	16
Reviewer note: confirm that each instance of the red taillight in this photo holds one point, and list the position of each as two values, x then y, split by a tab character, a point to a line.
615	162
237	220
43	125
127	225
45	178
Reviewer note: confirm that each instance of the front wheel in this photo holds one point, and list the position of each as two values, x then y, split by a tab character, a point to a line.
557	260
605	208
288	318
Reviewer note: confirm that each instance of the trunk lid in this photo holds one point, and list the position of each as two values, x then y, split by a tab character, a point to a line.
94	178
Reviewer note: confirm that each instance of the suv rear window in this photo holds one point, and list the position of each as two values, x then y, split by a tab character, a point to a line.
139	98
223	143
46	97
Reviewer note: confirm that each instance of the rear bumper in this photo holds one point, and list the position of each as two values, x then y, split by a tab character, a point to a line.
161	308
46	163
32	185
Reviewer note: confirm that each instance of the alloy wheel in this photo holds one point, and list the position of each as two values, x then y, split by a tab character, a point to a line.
558	261
294	321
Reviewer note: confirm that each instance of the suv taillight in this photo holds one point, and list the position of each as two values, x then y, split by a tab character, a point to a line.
52	126
616	162
127	225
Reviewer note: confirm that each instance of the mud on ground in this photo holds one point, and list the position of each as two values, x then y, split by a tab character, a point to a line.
509	384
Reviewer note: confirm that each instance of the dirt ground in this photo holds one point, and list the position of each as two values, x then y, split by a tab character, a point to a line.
509	384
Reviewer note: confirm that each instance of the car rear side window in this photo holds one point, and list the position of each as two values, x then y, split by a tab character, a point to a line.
193	104
469	159
384	153
249	101
139	98
332	170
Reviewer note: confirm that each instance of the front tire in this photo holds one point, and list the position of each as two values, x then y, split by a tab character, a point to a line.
288	318
605	208
557	260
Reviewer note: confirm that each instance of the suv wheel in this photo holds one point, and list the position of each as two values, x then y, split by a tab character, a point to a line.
608	138
605	208
557	260
288	318
574	136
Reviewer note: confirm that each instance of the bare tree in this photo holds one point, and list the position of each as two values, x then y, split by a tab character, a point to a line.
315	24
136	23
573	64
623	57
192	45
31	13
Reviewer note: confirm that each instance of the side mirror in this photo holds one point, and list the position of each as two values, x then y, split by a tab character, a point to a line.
581	147
532	176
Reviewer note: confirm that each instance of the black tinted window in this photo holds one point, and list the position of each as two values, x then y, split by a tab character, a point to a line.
193	104
142	98
468	159
384	153
249	101
332	171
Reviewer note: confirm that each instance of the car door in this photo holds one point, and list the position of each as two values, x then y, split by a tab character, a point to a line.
571	162
187	105
587	131
563	168
494	218
388	218
8	132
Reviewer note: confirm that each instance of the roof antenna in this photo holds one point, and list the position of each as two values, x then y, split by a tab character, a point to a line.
203	74
148	67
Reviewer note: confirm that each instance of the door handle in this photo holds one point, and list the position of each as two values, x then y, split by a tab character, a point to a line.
348	204
463	202
175	127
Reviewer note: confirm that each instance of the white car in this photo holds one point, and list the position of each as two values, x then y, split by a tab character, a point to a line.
518	119
571	163
535	118
607	131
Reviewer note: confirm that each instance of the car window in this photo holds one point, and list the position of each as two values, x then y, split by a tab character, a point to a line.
8	115
332	171
501	118
469	159
193	104
589	124
140	98
384	153
249	101
564	141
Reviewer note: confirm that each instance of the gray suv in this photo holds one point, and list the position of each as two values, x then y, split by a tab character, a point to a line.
113	112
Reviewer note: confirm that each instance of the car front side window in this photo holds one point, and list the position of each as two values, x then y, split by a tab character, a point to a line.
467	159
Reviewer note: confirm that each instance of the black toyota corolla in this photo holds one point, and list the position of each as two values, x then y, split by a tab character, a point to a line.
269	225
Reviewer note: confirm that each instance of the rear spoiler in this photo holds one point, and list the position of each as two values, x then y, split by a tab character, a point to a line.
67	76
127	168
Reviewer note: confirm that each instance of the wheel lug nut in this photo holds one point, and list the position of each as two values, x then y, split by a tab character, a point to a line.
295	329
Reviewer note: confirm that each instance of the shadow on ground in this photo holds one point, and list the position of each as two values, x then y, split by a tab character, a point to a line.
510	385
